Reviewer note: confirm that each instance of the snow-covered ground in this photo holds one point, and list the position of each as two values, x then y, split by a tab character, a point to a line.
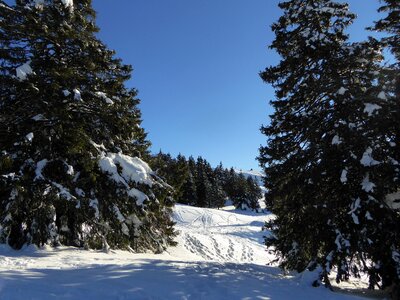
220	256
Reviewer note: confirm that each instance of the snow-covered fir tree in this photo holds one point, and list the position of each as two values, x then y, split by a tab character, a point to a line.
329	161
71	168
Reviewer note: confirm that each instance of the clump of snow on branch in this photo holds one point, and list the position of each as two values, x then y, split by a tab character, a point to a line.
94	203
370	108
63	191
343	176
367	159
29	137
133	169
68	3
367	185
124	169
382	95
393	200
23	71
341	91
77	95
38	117
104	97
355	205
140	196
336	140
39	169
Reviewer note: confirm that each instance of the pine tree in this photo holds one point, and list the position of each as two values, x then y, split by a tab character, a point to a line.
181	171
217	190
230	183
189	190
326	161
203	185
254	194
239	192
70	164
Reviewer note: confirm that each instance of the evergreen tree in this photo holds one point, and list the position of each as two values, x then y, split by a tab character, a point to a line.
217	195
70	162
230	182
217	191
189	190
254	193
327	160
181	172
239	192
203	184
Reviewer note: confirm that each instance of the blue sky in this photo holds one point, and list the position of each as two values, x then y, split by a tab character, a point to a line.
196	65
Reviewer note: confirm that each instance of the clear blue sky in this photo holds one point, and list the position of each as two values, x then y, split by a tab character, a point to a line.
196	65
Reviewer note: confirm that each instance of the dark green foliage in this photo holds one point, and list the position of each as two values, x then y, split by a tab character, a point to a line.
68	114
329	161
201	185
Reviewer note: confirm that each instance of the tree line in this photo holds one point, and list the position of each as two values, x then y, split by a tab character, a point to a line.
196	183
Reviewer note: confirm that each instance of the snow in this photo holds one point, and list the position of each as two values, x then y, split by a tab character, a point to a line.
23	71
133	169
393	200
140	196
29	137
118	214
77	95
99	147
39	168
343	176
68	3
79	192
356	205
367	185
220	256
70	169
341	91
66	93
63	191
367	159
104	97
370	108
38	117
382	95
336	140
94	203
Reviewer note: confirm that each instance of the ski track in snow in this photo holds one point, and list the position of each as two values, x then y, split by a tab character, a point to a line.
220	256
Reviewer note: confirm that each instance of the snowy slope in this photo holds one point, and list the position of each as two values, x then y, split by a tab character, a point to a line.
220	256
256	175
